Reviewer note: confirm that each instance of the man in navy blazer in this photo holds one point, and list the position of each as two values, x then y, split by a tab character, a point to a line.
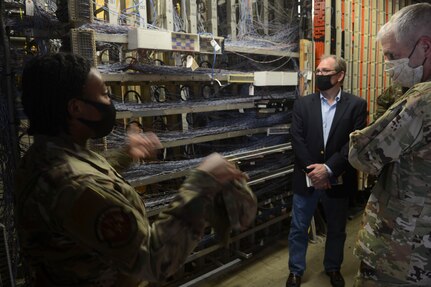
320	129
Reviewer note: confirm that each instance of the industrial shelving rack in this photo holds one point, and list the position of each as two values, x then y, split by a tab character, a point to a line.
211	255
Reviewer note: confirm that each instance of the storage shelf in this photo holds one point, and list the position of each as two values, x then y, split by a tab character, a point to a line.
259	152
152	74
128	110
212	137
282	172
261	51
234	157
138	78
279	173
196	108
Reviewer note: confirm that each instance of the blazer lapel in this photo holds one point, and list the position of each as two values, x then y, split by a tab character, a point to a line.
316	111
339	112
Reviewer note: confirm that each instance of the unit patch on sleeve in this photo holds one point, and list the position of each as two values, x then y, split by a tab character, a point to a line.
116	227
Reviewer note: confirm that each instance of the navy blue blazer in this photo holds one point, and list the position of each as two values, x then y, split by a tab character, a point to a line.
307	140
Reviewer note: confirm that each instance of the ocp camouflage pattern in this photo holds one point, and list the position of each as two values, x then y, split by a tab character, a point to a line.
395	237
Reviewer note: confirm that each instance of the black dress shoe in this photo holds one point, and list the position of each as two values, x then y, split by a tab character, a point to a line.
337	279
293	280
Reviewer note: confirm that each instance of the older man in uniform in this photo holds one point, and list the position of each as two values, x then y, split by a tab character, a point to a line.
394	243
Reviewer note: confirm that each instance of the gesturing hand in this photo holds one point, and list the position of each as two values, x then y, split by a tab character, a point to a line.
143	145
222	170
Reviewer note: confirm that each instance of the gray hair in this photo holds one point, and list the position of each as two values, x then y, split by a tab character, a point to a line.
408	24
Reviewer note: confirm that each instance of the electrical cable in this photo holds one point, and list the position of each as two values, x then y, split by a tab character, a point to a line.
138	97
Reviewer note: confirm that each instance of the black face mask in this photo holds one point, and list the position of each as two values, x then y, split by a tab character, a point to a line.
323	83
105	125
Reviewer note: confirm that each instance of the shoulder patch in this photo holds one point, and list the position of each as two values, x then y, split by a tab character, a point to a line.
116	227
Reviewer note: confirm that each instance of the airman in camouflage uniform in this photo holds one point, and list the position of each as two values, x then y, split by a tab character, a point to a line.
394	243
79	222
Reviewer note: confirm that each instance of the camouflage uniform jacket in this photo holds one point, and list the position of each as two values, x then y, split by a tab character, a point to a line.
387	98
395	238
81	224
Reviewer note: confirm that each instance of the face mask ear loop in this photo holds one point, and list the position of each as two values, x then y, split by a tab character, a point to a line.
414	48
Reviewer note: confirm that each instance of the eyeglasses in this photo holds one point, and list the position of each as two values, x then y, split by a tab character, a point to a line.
324	72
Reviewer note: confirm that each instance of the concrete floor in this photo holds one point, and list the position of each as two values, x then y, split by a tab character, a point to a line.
270	268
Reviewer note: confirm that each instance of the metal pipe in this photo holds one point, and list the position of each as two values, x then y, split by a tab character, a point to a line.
212	272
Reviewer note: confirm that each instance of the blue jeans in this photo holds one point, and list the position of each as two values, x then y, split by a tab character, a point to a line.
303	208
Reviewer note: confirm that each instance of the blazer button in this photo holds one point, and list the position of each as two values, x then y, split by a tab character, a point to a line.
322	152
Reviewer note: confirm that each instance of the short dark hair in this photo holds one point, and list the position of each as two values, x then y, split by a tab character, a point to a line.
49	82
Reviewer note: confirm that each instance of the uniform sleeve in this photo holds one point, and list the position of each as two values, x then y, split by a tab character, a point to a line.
110	224
119	159
393	134
235	209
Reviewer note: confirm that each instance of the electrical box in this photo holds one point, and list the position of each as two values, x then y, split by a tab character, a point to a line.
139	38
275	78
